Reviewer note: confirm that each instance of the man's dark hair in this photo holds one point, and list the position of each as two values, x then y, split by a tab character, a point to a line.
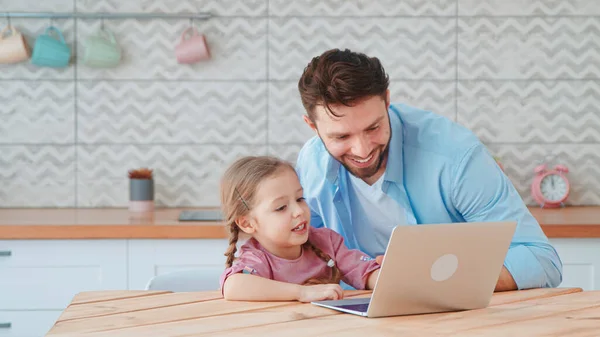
341	77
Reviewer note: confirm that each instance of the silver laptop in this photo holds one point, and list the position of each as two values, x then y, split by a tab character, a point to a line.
435	268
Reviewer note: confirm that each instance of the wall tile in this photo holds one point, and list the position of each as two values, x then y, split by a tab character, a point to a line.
531	112
37	176
171	112
40	6
286	110
528	7
184	175
31	29
37	112
409	48
361	8
519	160
237	45
287	152
528	48
220	8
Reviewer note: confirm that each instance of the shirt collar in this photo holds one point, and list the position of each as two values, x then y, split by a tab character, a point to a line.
395	161
393	171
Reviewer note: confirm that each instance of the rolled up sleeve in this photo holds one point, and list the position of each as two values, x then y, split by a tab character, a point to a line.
482	192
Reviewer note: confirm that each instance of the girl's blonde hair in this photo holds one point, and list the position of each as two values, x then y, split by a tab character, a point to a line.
238	192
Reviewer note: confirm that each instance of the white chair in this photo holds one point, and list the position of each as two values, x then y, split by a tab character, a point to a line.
185	281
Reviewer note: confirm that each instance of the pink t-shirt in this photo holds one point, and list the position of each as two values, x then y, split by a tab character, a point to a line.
354	265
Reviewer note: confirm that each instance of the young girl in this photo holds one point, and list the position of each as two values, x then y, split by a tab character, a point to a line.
284	259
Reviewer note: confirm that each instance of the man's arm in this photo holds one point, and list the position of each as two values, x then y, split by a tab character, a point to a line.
481	192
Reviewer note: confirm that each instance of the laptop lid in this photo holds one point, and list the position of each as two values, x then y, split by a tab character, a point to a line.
440	267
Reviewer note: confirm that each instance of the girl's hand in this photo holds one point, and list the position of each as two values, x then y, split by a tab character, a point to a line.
320	292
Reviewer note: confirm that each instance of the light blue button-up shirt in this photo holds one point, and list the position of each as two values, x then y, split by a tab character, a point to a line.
439	172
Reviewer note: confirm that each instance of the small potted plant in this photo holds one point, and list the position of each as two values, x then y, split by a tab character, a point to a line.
141	190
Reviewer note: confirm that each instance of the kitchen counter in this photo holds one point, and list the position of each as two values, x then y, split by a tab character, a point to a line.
119	223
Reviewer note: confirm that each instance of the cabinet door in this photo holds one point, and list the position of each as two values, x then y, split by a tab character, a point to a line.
581	262
27	323
46	274
148	258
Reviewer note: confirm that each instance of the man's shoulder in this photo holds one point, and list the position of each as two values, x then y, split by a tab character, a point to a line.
433	132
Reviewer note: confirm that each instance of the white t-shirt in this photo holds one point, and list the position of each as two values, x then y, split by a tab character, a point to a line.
374	215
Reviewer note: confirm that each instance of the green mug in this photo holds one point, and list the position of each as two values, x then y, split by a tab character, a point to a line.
101	50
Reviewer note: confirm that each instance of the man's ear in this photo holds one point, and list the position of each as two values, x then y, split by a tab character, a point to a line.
309	123
246	224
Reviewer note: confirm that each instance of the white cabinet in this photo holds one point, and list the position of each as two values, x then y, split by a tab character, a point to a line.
148	258
581	262
27	323
38	279
46	274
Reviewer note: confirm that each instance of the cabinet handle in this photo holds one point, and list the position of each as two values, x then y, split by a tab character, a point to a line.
5	325
5	253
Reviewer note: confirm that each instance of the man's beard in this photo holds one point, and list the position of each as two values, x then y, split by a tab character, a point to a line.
367	172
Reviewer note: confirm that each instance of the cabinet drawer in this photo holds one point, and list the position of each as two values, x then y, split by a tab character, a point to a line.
45	275
27	323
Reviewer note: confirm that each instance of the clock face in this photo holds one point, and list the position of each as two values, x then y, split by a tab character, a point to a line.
553	187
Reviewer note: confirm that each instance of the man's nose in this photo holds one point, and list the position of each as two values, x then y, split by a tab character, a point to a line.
360	148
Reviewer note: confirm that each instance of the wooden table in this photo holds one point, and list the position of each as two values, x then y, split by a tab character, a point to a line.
536	312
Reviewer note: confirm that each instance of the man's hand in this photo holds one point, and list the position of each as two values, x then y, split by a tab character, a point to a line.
505	281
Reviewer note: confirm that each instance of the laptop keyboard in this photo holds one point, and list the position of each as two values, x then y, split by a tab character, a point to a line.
362	307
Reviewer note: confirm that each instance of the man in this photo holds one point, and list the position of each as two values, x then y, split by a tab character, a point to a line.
393	164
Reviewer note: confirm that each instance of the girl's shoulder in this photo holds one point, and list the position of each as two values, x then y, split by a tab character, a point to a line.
325	238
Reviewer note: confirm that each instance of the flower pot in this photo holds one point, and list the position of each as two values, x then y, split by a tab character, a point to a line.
141	195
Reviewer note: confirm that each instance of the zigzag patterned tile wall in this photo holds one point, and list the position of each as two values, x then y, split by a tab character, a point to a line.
411	48
522	75
361	8
172	113
37	112
531	112
528	48
528	7
37	176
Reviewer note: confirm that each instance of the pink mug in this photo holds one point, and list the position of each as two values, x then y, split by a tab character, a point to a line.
13	49
193	49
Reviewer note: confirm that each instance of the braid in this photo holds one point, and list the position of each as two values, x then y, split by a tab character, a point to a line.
336	275
234	232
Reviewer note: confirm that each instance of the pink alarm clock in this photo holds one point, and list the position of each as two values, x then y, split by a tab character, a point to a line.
550	188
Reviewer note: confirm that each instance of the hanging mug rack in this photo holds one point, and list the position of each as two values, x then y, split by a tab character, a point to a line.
101	49
105	15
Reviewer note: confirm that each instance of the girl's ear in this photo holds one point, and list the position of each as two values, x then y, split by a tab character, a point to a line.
246	224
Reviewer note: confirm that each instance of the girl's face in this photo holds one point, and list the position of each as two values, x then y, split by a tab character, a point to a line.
280	218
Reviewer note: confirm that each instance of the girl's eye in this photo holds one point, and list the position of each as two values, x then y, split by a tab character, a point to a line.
374	128
279	209
301	199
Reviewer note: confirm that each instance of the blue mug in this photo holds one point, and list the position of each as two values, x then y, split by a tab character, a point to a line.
49	51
